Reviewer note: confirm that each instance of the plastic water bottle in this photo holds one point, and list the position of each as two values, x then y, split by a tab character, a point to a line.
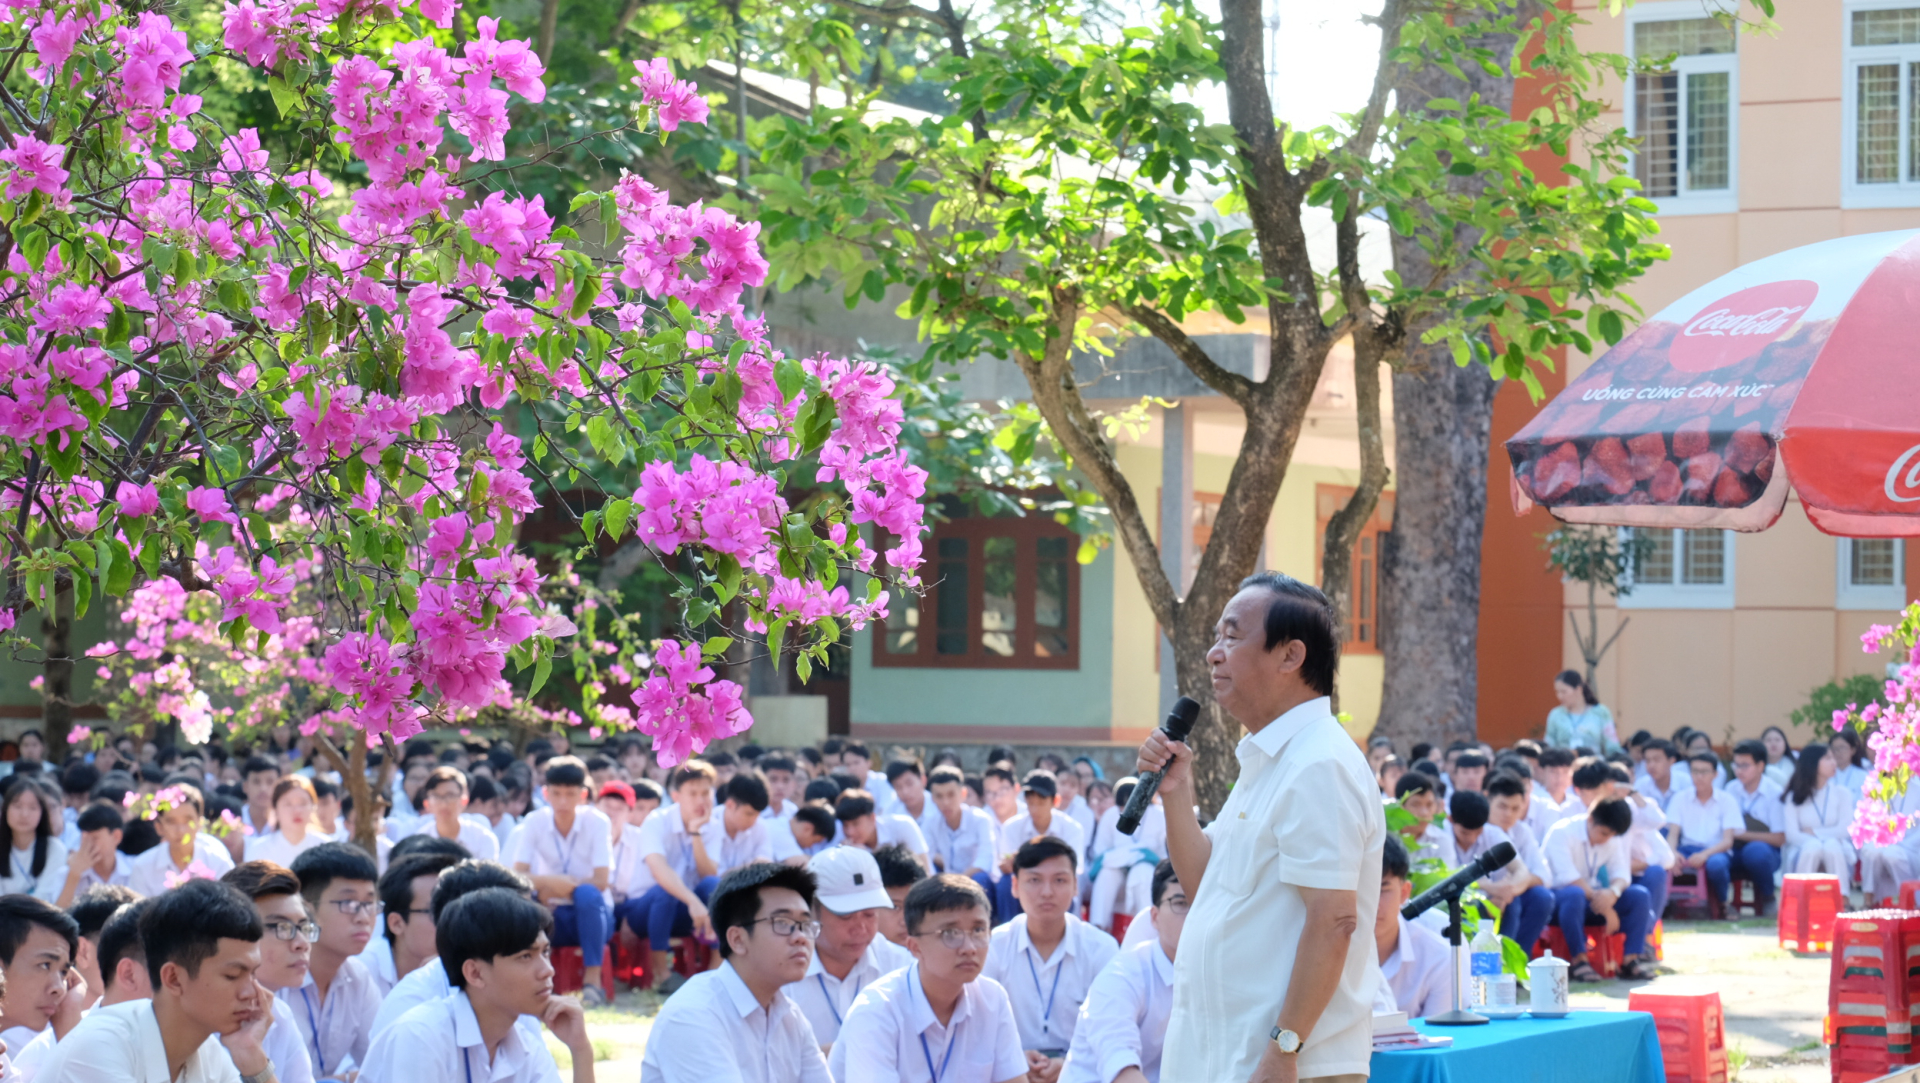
1484	964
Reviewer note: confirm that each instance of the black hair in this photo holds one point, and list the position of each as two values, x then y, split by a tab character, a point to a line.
945	773
91	910
1504	783
184	926
1000	752
833	746
896	768
1556	757
1572	679
821	789
120	939
1640	737
1619	772
978	788
747	788
1752	749
485	925
565	771
847	781
818	817
1002	774
539	747
940	894
1613	813
1415	782
777	763
1468	809
474	875
1707	758
750	752
1045	848
79	779
439	776
483	790
1393	859
856	748
852	805
1301	612
113	787
1163	875
1420	750
1591	774
429	843
721	759
1514	765
597	762
324	789
1427	768
99	816
1470	760
257	764
646	789
898	867
396	884
42	831
691	770
500	757
736	899
332	861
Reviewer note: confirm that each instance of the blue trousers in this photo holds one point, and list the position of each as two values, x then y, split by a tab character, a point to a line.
666	917
1005	906
985	880
1756	862
586	924
1659	884
1526	916
1570	902
1719	870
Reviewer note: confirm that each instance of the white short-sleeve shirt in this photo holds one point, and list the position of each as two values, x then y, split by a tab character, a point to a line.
892	1036
285	1047
825	999
629	876
1305	812
53	873
1763	804
1123	1022
1019	831
340	1027
972	845
587	845
1047	993
1573	858
664	832
1419	971
152	868
122	1044
721	1034
475	834
1701	822
749	846
275	847
440	1042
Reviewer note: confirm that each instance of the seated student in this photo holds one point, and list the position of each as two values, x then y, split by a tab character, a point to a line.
334	1006
1123	1023
1122	867
1469	772
1419	793
1653	861
208	1017
258	776
1701	823
1414	959
959	838
1659	758
779	773
296	824
806	833
1507	796
1073	802
681	845
736	1022
849	953
567	850
899	872
1039	819
863	824
428	983
1763	824
1592	879
444	797
45	998
180	812
326	812
33	862
493	947
628	880
1046	958
909	782
743	798
123	959
98	859
1525	903
90	912
286	947
856	761
1552	799
406	935
939	1020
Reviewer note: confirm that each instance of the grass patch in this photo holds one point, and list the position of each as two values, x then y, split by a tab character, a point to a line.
603	1049
1805	1047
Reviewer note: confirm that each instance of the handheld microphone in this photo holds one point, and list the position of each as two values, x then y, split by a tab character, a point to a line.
1178	725
1493	860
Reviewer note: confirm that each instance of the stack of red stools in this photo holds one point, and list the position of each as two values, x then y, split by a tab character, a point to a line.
1808	905
1908	888
1693	1034
1871	995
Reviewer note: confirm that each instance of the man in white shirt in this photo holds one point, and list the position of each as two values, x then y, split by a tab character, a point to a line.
863	824
736	1022
778	773
208	1015
743	798
567	850
909	784
1123	1022
899	872
406	940
1038	791
960	838
681	844
1701	824
1528	904
807	832
334	1007
1552	799
1592	876
430	982
939	1020
444	797
98	859
1653	860
1414	960
1073	802
38	942
1763	825
1288	874
1660	758
628	879
285	957
849	953
1046	958
1002	793
493	946
855	760
1525	905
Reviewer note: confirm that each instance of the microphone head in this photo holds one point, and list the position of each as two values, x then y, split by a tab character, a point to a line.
1180	720
1500	856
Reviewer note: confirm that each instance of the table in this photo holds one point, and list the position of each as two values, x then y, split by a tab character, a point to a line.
1585	1047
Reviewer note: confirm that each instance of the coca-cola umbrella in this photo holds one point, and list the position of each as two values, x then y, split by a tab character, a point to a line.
1799	369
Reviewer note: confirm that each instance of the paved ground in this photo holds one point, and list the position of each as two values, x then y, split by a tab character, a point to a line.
1774	1000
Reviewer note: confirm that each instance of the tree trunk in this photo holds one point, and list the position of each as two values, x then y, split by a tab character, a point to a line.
56	693
352	766
549	26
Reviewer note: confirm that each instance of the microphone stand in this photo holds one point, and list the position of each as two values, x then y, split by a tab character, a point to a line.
1459	1016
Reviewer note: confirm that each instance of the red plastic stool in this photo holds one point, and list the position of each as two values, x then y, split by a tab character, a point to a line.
1692	1031
1693	895
632	964
692	956
1808	905
1603	952
1908	890
569	968
1120	923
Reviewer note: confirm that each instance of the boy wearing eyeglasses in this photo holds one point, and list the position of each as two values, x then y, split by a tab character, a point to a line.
1123	1023
285	954
335	1005
939	1020
736	1022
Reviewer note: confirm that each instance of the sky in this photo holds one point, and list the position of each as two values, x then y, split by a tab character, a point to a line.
1327	58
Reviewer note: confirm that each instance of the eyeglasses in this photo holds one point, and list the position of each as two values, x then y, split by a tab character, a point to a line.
1177	906
788	926
955	939
288	930
353	908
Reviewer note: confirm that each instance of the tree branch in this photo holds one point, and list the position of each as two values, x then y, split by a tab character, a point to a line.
1393	17
1191	354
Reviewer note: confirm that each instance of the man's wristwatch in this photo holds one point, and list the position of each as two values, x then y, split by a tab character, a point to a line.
1286	1041
264	1075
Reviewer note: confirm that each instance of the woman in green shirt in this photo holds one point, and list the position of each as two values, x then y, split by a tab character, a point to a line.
1580	721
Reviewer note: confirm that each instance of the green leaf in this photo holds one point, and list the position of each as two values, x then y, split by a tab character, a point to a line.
120	579
616	515
803	665
285	98
717	646
1611	328
541	671
699	611
82	594
119	327
789	377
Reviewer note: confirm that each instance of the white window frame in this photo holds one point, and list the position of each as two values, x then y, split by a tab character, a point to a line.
1853	194
1685	595
1715	201
1846	595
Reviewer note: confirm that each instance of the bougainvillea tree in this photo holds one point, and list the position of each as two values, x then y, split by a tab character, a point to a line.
1893	733
325	391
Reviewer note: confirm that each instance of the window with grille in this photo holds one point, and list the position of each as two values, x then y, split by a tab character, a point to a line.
1683	115
1000	593
1682	569
1363	606
1883	128
1873	574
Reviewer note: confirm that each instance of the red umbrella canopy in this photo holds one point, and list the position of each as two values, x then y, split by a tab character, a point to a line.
1799	369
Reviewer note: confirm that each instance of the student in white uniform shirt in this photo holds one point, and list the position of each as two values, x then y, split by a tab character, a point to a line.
1701	823
36	861
208	1017
286	953
38	941
258	777
493	946
909	783
627	879
782	787
1666	772
406	939
124	963
863	824
1530	905
742	799
335	1004
940	1020
1553	798
1123	1023
98	859
960	838
681	846
1073	802
736	1022
1046	958
444	797
567	850
179	815
1819	814
1592	876
1419	794
856	761
1040	818
807	832
1415	961
849	953
1122	867
296	824
429	982
90	912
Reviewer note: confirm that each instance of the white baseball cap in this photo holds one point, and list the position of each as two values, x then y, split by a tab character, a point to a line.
847	879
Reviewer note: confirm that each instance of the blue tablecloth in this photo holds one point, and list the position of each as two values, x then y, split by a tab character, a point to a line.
1585	1047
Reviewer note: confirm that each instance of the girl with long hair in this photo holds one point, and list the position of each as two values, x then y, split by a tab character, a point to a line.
1819	812
1779	756
296	823
35	862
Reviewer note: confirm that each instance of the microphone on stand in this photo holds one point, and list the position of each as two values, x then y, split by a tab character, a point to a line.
1448	891
1178	726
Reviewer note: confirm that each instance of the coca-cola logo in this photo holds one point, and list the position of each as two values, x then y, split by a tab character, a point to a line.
1740	325
1903	477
